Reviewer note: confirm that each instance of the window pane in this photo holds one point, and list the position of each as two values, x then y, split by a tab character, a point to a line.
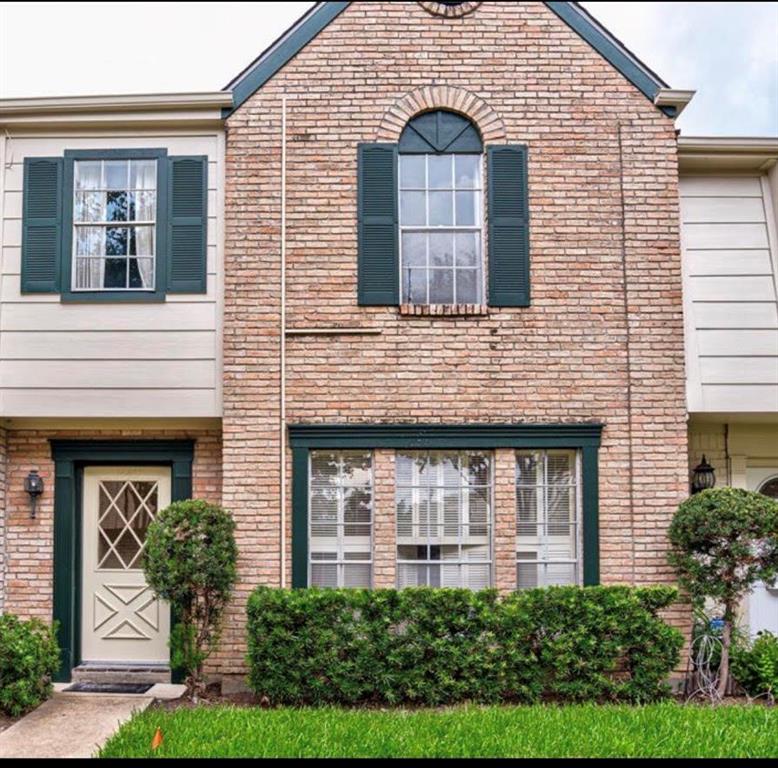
441	209
116	174
87	174
89	273
467	215
115	273
413	209
141	273
441	286
89	206
415	286
116	206
414	249
89	241
440	169
467	170
115	241
441	249
468	287
412	173
467	249
144	208
143	174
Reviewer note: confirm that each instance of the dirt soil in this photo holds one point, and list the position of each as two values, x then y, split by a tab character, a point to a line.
6	722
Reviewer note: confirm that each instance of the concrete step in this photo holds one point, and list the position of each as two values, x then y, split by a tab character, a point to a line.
92	672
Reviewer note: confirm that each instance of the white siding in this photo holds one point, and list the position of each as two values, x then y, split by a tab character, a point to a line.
109	359
730	299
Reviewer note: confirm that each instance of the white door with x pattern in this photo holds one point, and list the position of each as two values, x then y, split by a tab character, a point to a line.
121	620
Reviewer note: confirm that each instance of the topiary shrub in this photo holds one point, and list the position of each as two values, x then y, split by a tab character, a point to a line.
189	561
435	647
755	665
29	658
723	541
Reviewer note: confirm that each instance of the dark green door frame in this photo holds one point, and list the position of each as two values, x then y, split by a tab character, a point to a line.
70	457
582	437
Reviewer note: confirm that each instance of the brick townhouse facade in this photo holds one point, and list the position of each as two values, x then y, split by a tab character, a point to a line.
599	343
422	320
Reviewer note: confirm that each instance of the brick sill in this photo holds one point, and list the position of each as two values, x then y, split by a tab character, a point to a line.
443	310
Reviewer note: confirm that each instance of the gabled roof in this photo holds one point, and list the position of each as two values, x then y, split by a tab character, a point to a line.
273	58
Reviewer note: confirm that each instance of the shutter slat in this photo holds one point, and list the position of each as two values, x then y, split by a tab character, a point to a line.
509	270
187	224
41	224
377	262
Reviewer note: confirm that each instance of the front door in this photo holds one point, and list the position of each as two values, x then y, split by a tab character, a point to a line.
121	621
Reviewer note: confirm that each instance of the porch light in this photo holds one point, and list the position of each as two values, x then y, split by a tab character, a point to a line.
33	485
703	477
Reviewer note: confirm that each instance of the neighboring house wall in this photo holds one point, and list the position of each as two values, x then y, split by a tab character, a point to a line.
108	359
603	210
730	258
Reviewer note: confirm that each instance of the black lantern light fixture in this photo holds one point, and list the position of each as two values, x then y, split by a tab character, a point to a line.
703	477
33	485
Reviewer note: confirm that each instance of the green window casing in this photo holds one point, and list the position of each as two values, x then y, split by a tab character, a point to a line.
378	264
508	212
42	224
181	225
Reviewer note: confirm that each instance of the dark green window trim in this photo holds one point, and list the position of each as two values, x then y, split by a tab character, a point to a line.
160	244
583	437
70	457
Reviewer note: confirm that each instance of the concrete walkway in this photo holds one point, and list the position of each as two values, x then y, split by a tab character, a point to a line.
72	724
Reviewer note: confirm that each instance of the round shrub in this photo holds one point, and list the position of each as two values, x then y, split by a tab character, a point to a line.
723	541
755	665
29	658
190	561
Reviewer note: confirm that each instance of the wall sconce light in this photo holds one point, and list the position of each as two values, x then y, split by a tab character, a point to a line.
703	477
33	485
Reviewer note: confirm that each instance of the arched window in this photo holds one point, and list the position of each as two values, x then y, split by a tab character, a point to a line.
441	210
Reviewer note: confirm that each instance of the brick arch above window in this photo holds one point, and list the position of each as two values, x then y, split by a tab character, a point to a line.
431	97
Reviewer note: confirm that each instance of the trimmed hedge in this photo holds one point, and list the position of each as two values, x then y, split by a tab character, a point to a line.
29	658
442	646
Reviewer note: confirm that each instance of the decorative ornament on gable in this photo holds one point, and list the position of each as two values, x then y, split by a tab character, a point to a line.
450	10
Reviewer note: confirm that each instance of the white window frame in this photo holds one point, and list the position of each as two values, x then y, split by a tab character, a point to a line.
543	542
357	544
479	228
459	540
105	225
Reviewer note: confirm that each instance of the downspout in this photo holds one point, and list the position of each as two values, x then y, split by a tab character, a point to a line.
282	334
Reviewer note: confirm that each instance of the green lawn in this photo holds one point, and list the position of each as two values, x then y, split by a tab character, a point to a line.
662	730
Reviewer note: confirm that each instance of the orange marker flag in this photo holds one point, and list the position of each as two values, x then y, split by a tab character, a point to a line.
157	740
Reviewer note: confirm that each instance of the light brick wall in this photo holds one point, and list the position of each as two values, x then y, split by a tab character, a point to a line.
603	205
29	543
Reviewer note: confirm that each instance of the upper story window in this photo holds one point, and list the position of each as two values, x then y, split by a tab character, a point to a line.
114	220
441	211
125	225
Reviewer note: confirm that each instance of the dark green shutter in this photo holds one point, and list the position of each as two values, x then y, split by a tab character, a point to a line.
377	262
41	224
508	226
187	225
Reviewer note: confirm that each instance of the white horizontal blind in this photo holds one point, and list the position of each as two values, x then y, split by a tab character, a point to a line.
444	519
547	518
340	520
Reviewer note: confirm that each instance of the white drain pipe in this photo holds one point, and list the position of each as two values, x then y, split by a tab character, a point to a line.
282	334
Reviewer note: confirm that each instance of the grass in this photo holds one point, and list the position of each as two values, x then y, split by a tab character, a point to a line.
659	730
